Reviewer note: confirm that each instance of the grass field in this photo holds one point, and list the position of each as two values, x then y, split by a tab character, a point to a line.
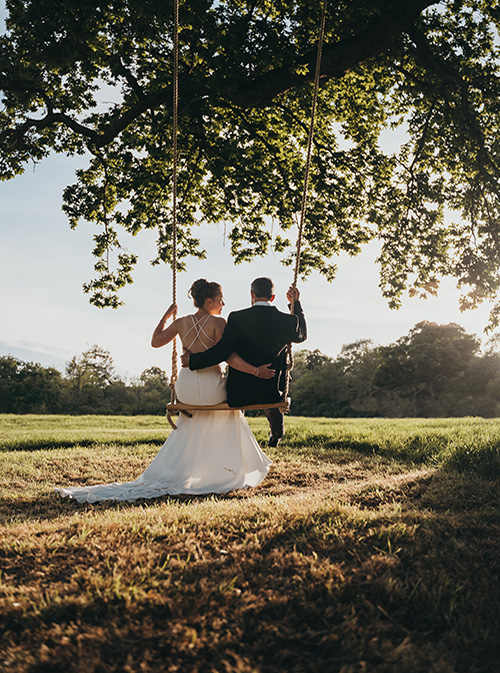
372	546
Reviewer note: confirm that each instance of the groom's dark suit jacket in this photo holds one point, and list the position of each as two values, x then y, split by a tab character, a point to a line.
258	334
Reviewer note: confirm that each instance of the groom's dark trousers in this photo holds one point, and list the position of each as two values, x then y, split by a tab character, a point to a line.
258	334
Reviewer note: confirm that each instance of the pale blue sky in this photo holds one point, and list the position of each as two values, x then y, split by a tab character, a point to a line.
45	317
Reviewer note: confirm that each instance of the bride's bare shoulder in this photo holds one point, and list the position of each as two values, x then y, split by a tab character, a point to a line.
218	320
218	324
184	323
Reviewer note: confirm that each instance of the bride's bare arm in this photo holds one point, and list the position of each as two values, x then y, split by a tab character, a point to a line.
163	335
262	372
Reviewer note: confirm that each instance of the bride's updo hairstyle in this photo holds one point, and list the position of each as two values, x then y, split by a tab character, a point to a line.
201	290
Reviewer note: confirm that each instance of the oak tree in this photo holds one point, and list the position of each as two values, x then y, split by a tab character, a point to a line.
430	69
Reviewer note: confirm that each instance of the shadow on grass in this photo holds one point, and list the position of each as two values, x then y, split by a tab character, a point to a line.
481	456
355	586
436	490
414	450
49	444
51	506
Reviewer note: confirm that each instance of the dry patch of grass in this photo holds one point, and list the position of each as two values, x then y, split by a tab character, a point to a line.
342	560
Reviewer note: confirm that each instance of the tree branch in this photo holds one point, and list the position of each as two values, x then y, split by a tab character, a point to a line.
117	63
449	74
114	128
50	119
337	58
260	91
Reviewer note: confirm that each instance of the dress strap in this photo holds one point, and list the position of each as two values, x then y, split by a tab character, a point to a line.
199	331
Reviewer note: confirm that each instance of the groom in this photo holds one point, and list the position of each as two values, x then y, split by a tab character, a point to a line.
258	334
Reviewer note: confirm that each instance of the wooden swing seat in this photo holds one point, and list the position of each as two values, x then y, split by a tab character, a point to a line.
186	409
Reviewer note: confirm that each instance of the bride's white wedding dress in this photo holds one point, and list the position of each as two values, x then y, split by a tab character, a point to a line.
212	452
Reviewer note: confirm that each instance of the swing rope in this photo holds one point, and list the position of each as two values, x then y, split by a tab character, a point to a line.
305	190
173	378
309	146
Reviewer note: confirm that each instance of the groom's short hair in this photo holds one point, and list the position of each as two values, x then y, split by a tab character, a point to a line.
263	287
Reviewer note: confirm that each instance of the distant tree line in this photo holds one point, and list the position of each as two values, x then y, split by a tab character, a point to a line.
89	385
435	370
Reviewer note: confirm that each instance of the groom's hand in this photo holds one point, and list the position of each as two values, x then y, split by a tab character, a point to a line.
293	293
185	358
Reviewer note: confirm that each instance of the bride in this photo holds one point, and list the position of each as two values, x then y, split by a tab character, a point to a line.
212	452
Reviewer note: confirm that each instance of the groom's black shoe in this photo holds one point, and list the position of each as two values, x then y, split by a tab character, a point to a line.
273	440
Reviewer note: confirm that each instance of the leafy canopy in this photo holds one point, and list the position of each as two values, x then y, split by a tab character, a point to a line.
246	67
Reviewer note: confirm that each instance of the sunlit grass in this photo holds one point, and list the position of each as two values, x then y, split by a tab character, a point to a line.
372	545
463	443
30	431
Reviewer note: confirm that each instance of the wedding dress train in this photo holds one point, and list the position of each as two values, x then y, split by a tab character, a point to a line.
212	452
